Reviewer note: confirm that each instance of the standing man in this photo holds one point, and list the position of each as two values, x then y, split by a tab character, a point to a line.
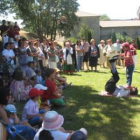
85	46
117	45
4	30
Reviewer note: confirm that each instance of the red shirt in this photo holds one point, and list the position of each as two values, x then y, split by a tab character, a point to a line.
48	94
16	29
128	62
132	47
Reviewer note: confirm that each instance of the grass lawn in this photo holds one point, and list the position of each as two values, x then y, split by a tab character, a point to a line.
105	118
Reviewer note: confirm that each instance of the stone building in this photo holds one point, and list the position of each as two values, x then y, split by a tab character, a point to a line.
103	29
91	20
124	27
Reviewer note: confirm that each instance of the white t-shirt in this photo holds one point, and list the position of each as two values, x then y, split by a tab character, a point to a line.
30	108
56	134
40	54
30	72
8	54
121	92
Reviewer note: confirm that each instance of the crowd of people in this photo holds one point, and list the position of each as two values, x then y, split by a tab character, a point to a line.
35	69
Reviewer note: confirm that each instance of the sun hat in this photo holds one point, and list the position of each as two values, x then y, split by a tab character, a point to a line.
125	45
40	87
10	108
52	121
80	134
35	92
57	70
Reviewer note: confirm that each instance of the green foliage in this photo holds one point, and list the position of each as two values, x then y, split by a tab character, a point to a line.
122	38
4	6
137	42
47	17
128	39
113	36
85	32
104	17
73	39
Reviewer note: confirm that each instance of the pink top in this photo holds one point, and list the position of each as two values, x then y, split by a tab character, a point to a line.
128	62
86	47
133	47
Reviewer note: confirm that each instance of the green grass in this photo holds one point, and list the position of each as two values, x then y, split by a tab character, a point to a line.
105	118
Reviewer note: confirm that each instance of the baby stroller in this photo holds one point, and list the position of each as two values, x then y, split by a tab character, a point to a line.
10	132
6	136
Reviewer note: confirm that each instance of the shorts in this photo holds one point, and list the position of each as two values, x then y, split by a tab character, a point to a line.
58	102
36	120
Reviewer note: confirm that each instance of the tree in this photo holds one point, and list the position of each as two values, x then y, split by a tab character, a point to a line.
85	32
138	42
4	6
113	36
47	17
104	17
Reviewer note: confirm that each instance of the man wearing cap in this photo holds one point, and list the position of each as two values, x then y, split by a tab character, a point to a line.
31	110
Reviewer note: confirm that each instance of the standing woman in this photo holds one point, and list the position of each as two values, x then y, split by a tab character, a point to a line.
40	54
109	51
79	55
52	56
94	54
86	54
128	58
67	56
102	58
22	55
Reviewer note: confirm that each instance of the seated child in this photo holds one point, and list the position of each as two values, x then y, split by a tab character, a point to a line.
61	79
111	87
51	93
42	105
31	110
39	77
52	122
11	120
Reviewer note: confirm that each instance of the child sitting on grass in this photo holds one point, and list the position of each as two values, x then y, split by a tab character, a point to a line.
61	79
31	110
42	105
51	93
39	77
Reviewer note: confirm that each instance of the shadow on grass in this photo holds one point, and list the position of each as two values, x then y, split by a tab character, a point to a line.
105	118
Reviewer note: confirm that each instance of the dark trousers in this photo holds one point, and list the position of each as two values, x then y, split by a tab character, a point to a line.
111	83
41	64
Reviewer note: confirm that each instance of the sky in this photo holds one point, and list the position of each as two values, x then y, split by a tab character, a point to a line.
115	9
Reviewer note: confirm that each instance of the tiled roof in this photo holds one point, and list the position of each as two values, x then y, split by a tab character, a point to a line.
84	14
122	23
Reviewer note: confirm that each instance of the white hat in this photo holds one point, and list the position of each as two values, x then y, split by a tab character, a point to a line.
40	87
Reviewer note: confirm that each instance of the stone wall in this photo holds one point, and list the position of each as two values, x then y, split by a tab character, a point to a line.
133	32
92	23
